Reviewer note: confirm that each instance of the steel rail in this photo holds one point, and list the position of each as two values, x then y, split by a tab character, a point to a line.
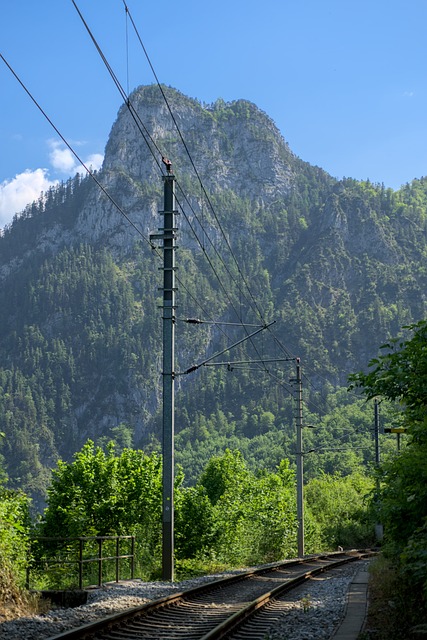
116	622
235	621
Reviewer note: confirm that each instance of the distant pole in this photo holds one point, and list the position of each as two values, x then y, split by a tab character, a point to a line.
300	462
378	526
168	236
377	431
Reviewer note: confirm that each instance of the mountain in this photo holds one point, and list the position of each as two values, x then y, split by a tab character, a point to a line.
263	236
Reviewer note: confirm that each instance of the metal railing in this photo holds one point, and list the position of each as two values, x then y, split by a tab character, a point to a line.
81	560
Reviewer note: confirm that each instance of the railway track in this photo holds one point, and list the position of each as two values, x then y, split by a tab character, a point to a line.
240	606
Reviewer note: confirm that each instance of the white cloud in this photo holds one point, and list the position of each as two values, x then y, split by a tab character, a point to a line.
25	187
61	158
64	161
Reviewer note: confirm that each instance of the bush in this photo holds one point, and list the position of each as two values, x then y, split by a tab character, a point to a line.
339	506
14	536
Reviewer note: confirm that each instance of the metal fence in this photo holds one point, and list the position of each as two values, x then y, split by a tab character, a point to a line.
64	553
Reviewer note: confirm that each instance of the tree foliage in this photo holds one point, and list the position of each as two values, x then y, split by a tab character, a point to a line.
338	505
101	493
232	516
400	374
14	543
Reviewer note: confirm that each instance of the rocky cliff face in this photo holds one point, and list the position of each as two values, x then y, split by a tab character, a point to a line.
235	147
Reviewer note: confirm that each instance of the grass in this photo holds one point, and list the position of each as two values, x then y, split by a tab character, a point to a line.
16	602
396	611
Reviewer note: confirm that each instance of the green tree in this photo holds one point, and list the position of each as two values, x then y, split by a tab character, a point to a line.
339	506
14	542
101	493
253	516
195	525
400	374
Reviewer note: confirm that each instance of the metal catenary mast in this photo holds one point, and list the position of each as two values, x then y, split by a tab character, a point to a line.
168	236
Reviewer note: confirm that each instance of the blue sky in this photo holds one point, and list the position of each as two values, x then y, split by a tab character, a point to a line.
345	81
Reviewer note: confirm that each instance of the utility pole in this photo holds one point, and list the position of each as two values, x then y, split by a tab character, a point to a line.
168	235
378	527
377	432
300	462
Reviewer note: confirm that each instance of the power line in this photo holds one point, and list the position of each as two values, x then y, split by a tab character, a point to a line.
202	188
75	154
143	130
194	166
93	175
137	119
214	270
146	136
101	186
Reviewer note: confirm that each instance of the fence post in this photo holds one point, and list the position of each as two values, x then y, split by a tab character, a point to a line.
117	558
132	560
100	562
80	563
27	570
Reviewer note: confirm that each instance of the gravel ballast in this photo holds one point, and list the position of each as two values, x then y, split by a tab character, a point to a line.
311	614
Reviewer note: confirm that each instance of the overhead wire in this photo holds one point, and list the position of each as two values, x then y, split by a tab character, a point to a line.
75	154
196	172
142	128
113	201
134	114
84	165
144	131
208	200
93	176
88	170
127	55
147	137
256	306
213	268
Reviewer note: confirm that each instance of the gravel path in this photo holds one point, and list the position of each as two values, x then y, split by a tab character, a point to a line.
312	614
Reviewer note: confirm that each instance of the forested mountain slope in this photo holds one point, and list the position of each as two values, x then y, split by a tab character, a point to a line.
339	265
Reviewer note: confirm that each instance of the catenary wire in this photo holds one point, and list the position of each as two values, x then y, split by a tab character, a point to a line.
261	315
91	173
146	134
212	266
140	125
138	121
122	212
211	243
143	130
75	154
95	179
83	164
201	186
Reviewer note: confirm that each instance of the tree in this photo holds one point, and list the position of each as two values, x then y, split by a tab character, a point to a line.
14	536
339	507
101	493
253	516
400	374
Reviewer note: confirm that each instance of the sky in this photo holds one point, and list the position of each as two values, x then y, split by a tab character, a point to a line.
345	81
